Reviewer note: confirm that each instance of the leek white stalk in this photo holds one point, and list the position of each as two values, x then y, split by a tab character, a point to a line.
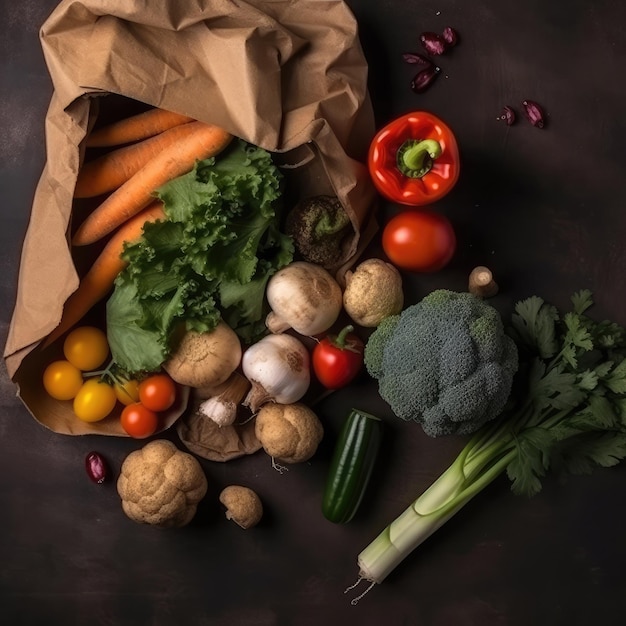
482	460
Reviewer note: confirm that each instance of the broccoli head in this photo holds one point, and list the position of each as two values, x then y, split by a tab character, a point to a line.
444	362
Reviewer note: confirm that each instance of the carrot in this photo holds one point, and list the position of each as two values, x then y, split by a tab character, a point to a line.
136	127
197	141
113	169
98	281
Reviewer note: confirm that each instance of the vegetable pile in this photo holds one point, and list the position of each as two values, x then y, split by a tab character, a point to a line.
215	286
208	261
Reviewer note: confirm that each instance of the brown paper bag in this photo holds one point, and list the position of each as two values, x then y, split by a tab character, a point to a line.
289	76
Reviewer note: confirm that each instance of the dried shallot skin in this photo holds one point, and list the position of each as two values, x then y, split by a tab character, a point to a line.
96	467
433	43
534	113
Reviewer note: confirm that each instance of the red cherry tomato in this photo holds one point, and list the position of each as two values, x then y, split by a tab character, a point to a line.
138	421
337	360
419	240
157	392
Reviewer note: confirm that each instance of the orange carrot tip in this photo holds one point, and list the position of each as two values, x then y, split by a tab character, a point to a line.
98	281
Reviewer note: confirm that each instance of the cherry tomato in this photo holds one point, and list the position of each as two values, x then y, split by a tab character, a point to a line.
86	347
94	401
419	240
138	421
127	391
337	360
62	380
157	392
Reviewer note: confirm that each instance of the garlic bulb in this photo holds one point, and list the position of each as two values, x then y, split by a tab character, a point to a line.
222	412
278	367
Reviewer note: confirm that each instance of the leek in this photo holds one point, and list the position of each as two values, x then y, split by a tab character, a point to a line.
481	461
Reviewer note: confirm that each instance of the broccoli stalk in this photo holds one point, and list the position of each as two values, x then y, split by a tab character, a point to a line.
572	415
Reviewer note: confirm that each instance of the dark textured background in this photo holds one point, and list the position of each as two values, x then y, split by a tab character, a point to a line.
543	208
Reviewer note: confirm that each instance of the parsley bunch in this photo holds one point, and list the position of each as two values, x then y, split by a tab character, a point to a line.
573	413
568	412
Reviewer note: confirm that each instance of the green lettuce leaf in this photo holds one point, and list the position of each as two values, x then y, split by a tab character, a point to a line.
210	260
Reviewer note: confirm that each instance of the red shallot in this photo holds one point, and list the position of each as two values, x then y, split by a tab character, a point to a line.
508	115
424	78
450	36
96	467
433	43
534	113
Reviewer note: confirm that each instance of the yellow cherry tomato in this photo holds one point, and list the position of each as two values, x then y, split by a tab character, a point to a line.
86	347
62	380
127	391
94	401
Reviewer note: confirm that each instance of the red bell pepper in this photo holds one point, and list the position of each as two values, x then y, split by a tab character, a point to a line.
414	160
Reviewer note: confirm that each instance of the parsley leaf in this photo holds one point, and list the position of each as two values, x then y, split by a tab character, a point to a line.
534	326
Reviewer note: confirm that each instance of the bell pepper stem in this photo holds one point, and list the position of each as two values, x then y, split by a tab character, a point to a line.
340	340
416	156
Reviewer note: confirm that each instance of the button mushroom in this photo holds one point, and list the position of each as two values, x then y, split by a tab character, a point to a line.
288	432
204	359
373	292
243	505
303	296
161	485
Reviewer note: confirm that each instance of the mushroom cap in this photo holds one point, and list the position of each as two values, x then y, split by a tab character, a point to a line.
243	505
288	432
373	292
205	359
161	485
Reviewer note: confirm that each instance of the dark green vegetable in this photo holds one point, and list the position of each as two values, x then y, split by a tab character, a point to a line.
321	230
568	414
351	466
444	362
210	260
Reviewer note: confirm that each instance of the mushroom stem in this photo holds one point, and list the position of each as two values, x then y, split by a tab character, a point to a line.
481	282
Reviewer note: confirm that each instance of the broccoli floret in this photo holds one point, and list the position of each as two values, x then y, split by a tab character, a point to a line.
444	362
376	343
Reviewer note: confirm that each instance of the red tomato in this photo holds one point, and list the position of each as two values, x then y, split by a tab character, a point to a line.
138	421
337	360
419	240
157	392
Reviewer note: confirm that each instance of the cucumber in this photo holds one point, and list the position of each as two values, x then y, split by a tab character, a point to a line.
351	466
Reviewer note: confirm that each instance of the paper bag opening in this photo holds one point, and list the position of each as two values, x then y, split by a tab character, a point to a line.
284	76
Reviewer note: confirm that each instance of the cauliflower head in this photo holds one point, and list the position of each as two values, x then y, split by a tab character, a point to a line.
444	362
161	485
